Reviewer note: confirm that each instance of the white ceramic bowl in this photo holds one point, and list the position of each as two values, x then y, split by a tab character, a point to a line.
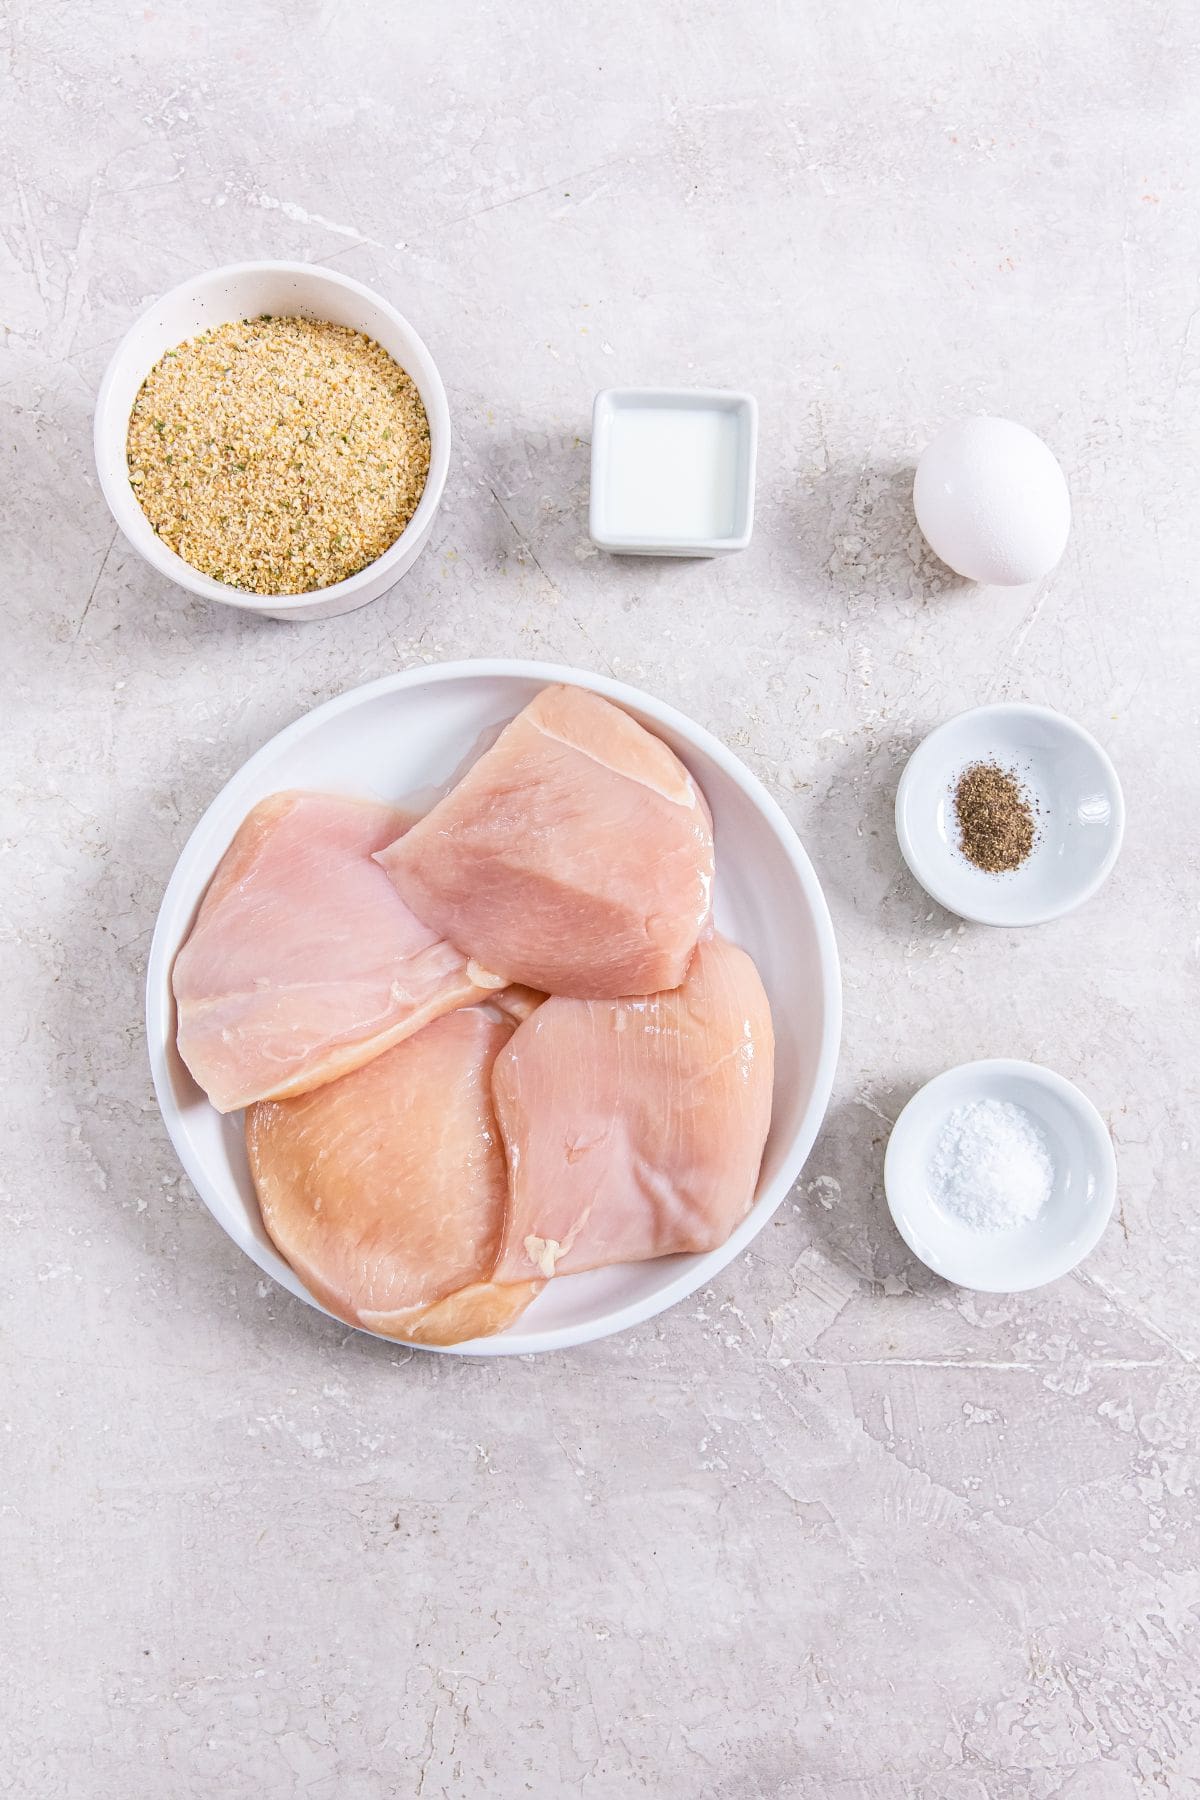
408	734
1081	814
239	292
1070	1224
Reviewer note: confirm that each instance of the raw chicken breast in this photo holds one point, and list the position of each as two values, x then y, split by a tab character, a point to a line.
576	855
516	1003
304	962
635	1128
386	1190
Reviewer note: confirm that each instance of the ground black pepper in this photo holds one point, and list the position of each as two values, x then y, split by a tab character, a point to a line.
995	818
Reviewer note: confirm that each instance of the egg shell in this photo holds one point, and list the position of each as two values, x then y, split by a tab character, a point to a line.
992	501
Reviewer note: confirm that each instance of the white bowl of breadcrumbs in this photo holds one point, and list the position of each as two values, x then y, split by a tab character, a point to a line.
274	436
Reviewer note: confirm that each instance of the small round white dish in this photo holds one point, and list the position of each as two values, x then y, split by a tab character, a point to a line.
1080	814
242	291
1070	1224
408	735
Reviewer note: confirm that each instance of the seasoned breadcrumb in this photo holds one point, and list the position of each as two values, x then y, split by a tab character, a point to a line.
278	455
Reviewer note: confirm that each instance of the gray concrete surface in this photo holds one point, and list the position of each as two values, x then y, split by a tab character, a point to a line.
831	1531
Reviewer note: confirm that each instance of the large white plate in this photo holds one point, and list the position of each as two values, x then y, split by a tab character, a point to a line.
400	737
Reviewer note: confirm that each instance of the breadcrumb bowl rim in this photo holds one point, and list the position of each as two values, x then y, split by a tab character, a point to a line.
245	290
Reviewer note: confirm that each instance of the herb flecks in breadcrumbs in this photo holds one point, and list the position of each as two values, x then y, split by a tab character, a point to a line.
278	455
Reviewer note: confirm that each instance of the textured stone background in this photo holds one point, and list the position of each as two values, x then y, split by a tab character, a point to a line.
832	1530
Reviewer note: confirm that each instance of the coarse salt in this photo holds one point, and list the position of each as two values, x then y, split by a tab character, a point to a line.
991	1167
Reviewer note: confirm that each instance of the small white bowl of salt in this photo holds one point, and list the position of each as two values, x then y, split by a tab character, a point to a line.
1000	1176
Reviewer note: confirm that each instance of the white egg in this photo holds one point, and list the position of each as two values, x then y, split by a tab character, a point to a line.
992	501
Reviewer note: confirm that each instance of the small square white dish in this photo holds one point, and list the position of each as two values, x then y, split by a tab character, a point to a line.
673	471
